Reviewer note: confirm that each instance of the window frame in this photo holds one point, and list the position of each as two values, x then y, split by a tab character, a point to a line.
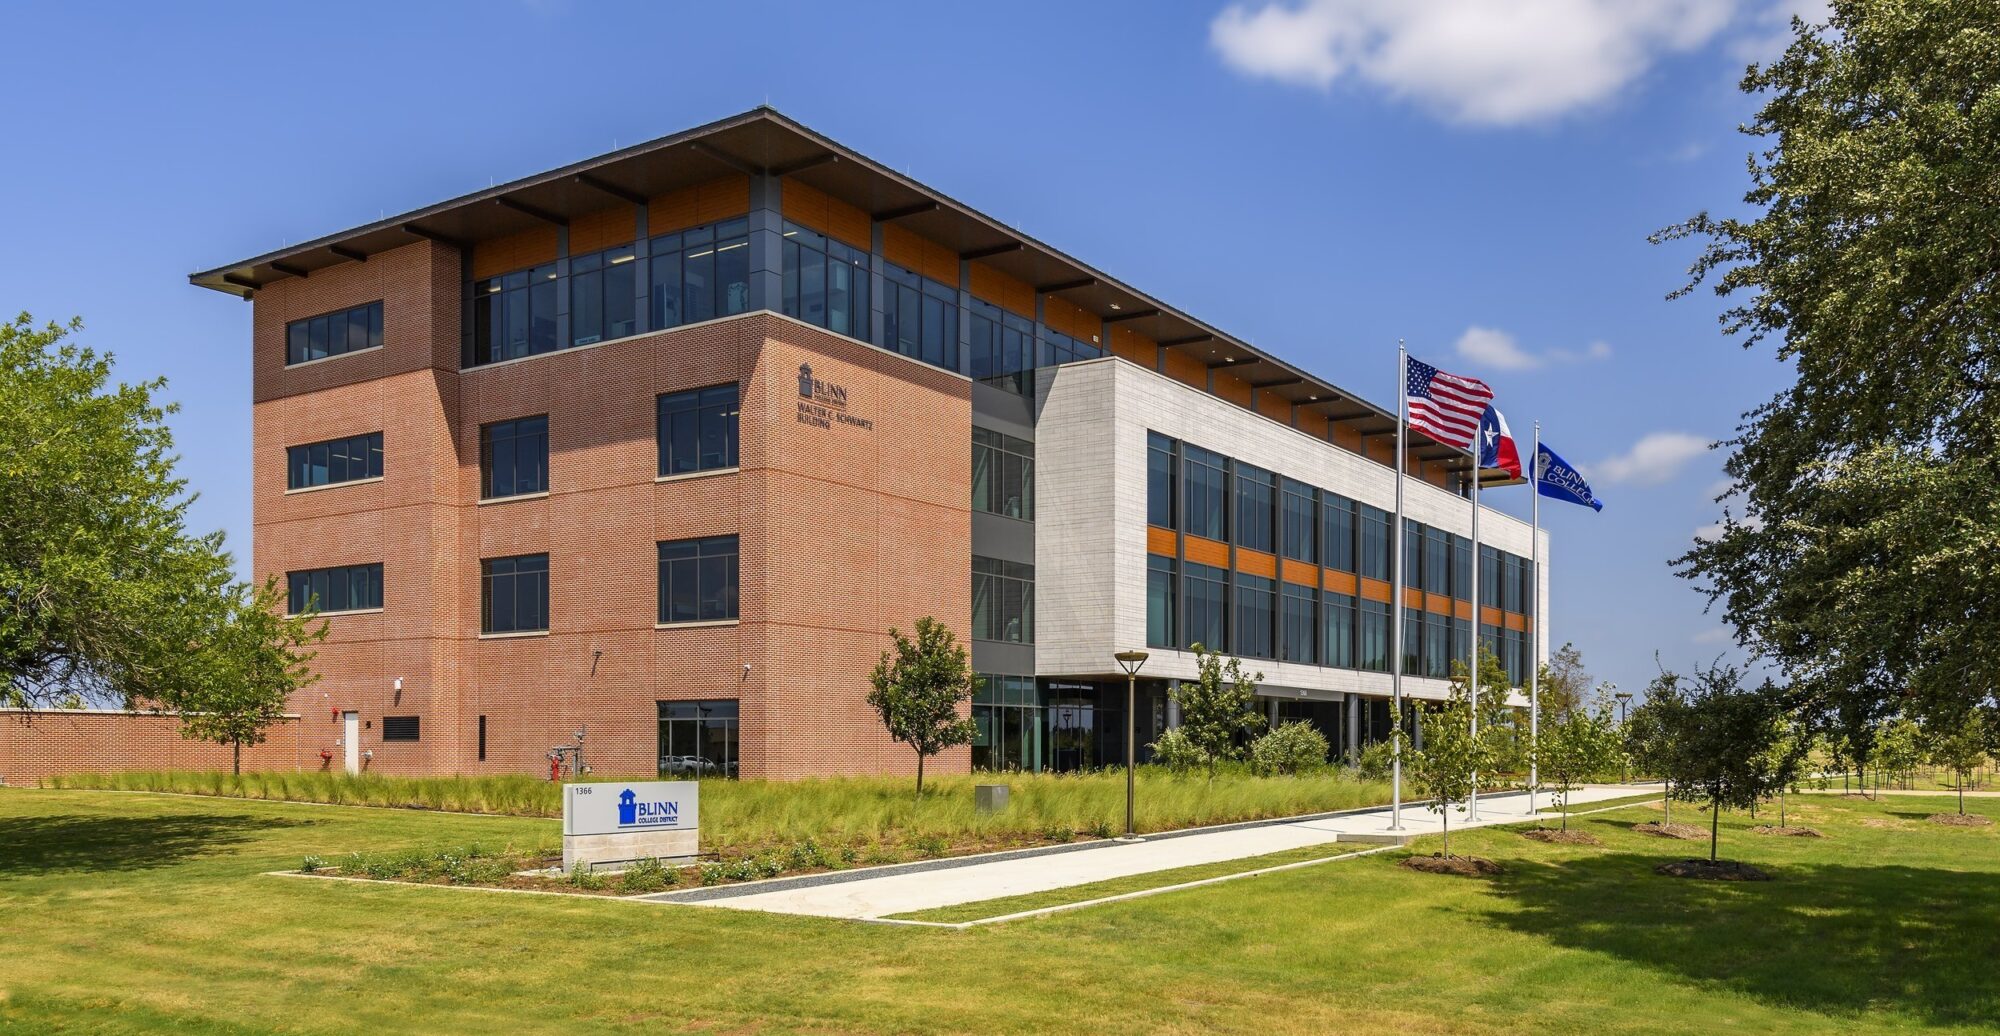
706	404
298	333
518	431
700	560
341	575
370	444
487	587
392	734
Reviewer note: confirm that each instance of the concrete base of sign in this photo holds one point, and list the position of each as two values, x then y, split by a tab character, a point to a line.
627	846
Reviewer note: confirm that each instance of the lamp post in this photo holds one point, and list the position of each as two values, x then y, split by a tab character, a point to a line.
1130	661
1624	764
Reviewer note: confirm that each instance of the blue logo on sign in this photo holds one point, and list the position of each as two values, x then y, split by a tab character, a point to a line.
634	813
628	809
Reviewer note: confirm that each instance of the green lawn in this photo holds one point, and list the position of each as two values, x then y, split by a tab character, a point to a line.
142	913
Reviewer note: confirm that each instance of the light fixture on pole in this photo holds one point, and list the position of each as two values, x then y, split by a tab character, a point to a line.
1130	661
1623	697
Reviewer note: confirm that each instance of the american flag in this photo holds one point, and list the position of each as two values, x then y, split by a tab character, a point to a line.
1446	407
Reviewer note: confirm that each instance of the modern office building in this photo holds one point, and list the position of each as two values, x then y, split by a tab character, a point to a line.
662	444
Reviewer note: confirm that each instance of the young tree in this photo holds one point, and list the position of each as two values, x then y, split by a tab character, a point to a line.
254	661
1446	767
1899	749
1563	681
1216	705
1863	561
105	587
1648	735
1959	747
1720	744
918	690
1577	743
1501	726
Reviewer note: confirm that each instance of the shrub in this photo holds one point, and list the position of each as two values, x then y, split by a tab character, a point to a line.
932	846
1376	761
312	865
1177	753
1288	749
581	876
644	876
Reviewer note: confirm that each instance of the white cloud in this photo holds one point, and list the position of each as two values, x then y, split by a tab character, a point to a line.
1655	458
1717	635
1491	347
1486	62
1770	30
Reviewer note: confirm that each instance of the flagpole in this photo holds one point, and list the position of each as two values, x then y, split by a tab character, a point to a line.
1472	673
1396	595
1535	632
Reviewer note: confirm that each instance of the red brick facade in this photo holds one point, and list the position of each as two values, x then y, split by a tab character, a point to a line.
34	745
845	531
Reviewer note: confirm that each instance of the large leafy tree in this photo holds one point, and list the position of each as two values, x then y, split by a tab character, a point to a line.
1216	706
918	689
1862	552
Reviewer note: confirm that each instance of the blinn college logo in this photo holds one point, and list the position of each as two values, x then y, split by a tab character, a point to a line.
634	813
819	391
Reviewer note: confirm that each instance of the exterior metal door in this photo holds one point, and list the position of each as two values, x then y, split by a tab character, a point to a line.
350	739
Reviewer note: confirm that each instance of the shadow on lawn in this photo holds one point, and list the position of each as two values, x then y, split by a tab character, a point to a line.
42	845
1833	939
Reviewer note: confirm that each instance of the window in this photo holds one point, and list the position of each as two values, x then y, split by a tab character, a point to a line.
697	430
1489	577
1256	507
1299	517
603	295
1437	562
698	580
350	588
700	274
1007	715
331	334
1372	637
1338	612
402	728
1205	506
1159	480
1003	347
1336	532
1160	602
336	460
1510	582
1461	640
1491	641
1437	645
698	738
514	457
1255	607
1413	642
920	317
1003	601
1527	584
1066	349
826	282
1297	624
514	315
1206	591
1461	568
1374	542
1413	554
514	594
1003	474
482	738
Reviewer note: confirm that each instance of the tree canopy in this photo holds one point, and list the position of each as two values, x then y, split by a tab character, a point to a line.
1216	706
918	688
1861	553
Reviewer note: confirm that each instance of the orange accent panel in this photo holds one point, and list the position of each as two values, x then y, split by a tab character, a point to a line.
1342	582
1187	370
1461	610
702	203
1345	435
1437	604
1491	616
924	256
1257	563
1517	622
1300	572
1134	346
1413	598
600	230
513	252
1275	408
1160	541
1232	388
803	204
1205	551
1071	319
1375	590
1313	424
1009	294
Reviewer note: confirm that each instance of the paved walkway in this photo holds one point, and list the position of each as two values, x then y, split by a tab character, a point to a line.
897	890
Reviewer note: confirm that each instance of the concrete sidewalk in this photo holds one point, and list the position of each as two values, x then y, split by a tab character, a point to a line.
862	895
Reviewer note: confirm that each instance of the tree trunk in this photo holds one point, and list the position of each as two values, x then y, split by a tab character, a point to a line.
1667	802
1445	814
1565	808
236	759
1961	795
1781	807
920	774
1714	821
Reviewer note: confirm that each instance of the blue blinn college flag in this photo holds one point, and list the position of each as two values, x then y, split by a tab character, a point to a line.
1555	479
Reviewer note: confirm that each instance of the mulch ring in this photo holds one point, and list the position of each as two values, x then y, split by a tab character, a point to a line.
1685	832
1711	870
1469	866
1555	837
1788	832
1960	819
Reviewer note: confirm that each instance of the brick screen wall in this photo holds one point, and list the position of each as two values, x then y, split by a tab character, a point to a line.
34	745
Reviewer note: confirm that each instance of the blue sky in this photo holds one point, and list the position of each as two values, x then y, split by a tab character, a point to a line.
1320	177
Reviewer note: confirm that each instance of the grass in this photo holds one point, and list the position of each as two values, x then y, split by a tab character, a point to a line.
149	914
879	817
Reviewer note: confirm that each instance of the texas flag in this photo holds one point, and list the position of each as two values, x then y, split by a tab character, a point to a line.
1496	443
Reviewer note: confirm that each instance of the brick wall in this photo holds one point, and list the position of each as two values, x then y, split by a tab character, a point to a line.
34	745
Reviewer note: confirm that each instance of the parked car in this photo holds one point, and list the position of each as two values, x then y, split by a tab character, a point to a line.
688	766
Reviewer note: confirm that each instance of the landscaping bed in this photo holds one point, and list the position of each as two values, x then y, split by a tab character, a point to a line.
1787	832
1554	836
1712	870
1467	866
1684	832
1960	819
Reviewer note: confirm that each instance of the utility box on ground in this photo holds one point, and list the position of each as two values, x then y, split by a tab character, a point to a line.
990	798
